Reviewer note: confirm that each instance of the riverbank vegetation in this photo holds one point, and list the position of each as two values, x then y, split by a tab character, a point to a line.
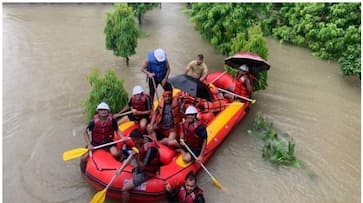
277	149
107	88
331	30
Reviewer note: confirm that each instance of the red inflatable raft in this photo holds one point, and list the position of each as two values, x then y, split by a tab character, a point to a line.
101	166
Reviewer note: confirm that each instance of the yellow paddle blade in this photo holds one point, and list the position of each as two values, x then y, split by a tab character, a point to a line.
253	101
216	183
73	153
99	197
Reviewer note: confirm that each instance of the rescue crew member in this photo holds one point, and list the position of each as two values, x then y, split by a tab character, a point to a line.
243	85
187	193
157	67
166	118
146	164
194	135
102	129
140	104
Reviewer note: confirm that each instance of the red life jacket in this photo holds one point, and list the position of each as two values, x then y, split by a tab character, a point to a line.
240	87
103	131
139	103
183	197
192	139
154	165
176	111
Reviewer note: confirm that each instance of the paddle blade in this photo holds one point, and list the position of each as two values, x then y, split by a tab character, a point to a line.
253	101
216	183
99	197
73	153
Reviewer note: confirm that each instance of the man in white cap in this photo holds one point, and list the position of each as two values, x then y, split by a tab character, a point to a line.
194	135
157	69
243	84
102	128
140	105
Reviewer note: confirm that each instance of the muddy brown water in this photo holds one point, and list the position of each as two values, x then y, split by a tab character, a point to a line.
49	50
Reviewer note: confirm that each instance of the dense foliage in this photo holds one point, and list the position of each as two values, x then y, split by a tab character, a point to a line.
331	30
222	25
121	31
141	8
107	89
276	149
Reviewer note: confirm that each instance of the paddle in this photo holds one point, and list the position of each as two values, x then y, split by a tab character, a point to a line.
156	90
214	180
75	153
236	95
116	115
100	196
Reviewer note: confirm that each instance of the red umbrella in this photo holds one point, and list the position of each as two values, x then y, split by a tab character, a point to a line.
252	60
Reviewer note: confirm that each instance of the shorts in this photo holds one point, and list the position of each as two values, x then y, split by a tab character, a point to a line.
138	177
132	117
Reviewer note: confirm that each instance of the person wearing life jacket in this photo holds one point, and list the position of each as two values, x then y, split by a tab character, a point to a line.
166	118
187	193
146	164
194	135
243	84
157	68
140	105
102	129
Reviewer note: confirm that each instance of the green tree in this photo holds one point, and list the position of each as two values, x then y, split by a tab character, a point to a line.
141	8
121	31
107	89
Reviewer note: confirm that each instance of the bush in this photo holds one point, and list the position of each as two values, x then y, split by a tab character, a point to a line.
107	89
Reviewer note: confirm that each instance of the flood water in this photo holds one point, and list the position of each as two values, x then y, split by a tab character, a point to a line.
49	50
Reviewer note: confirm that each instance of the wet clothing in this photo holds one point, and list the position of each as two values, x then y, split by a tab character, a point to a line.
167	120
102	132
195	70
180	195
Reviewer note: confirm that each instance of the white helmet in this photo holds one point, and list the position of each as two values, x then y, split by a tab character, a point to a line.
160	55
191	110
244	68
137	90
103	105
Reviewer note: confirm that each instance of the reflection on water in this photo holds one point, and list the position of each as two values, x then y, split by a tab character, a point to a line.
49	50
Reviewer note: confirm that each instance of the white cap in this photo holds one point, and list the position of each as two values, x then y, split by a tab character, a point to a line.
244	68
191	110
160	55
137	90
103	105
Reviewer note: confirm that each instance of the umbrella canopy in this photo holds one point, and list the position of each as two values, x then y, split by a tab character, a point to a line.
252	60
192	86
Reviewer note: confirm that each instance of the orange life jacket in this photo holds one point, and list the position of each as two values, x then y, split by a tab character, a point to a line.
240	87
175	109
183	197
103	131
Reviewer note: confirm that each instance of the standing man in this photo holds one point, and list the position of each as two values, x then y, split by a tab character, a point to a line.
102	128
197	68
147	162
194	135
141	106
189	192
157	69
